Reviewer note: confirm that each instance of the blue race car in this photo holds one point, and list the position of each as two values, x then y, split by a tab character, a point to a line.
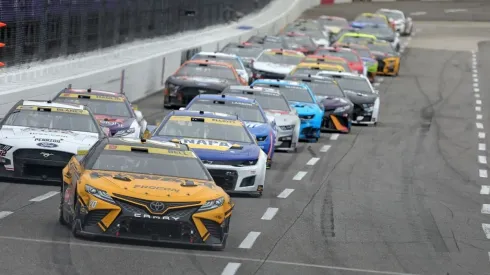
248	110
301	98
224	145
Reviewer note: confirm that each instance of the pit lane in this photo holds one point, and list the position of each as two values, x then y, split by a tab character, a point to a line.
400	198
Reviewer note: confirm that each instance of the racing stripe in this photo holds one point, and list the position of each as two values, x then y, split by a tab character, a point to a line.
337	124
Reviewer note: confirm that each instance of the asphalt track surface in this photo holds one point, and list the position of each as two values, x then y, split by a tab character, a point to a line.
406	197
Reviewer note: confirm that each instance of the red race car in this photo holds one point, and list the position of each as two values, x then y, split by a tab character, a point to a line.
355	61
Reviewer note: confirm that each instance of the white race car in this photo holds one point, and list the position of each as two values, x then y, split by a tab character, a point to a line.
275	63
360	91
232	59
403	24
38	138
275	105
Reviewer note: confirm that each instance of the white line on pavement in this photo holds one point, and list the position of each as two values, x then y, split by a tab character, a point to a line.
270	213
479	117
231	269
249	241
45	196
479	125
482	159
478	108
485	209
478	102
486	229
481	135
485	190
285	193
476	90
483	173
299	175
334	136
325	148
475	84
312	161
477	95
482	146
4	214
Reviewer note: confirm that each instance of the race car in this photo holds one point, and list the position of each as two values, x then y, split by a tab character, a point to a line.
38	138
359	90
403	24
300	97
196	77
367	57
144	190
276	105
314	68
381	33
327	59
388	59
247	52
338	107
355	61
223	143
262	126
318	34
231	59
355	36
275	63
299	42
333	24
374	18
112	110
268	42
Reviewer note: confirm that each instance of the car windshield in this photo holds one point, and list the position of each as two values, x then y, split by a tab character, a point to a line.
269	102
292	92
354	39
178	127
212	71
299	40
350	56
371	19
230	60
316	34
152	164
247	52
59	120
287	59
355	84
392	15
385	32
245	111
100	107
384	48
363	52
325	88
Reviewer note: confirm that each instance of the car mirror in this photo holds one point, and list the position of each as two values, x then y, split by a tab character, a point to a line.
139	115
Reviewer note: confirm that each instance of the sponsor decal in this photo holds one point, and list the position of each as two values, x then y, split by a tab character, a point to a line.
159	188
47	145
146	216
207	142
108	123
253	124
48	140
92	204
4	149
46	155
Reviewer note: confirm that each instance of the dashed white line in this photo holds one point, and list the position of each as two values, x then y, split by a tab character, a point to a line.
478	102
4	214
270	213
479	117
475	84
486	229
476	90
285	193
312	161
381	79
485	209
483	173
325	148
481	135
478	108
482	147
231	268
376	84
334	136
300	175
249	241
485	190
475	75
45	196
482	159
479	125
477	95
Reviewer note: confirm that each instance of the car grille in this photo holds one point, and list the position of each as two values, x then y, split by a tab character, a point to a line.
95	216
32	162
38	154
225	179
213	228
135	205
165	230
247	182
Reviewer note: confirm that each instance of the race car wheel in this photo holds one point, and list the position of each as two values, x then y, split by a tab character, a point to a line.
76	220
256	195
61	217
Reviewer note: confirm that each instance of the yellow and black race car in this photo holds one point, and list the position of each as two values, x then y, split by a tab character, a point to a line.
144	190
388	59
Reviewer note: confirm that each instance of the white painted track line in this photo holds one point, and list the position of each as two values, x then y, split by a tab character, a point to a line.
479	125
482	146
482	159
312	161
479	116
270	213
4	214
334	136
478	102
486	229
483	173
300	175
45	196
485	209
325	148
478	108
285	193
481	135
249	241
231	269
485	190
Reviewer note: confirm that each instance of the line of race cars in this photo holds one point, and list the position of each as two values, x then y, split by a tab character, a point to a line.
171	182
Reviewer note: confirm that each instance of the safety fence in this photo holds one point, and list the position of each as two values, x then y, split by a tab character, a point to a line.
35	30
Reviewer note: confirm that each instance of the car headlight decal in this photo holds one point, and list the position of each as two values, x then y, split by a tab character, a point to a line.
212	204
368	107
304	117
100	194
262	138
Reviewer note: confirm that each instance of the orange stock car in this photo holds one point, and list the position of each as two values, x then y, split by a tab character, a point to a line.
327	59
196	77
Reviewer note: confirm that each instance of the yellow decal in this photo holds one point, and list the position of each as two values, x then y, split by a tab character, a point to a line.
53	109
95	97
210	120
217	145
152	150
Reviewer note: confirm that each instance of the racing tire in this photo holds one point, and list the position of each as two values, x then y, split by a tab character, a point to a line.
398	48
76	221
61	216
256	195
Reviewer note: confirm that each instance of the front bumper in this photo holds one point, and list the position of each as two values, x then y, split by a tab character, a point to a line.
310	128
340	122
286	140
237	179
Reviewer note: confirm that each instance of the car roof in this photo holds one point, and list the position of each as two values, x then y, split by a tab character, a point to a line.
146	143
344	74
210	62
359	34
254	89
204	114
281	82
311	77
319	65
222	97
47	104
218	54
326	57
288	52
91	91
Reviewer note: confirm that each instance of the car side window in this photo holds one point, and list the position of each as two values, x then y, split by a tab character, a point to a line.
90	152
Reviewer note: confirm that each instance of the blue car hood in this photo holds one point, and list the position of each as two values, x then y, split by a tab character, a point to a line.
305	108
257	128
217	150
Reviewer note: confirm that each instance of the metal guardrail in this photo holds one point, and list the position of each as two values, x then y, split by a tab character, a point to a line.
42	29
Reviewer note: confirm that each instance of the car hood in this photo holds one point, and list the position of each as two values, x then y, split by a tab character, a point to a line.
152	185
257	128
207	149
330	102
305	108
273	67
114	123
360	98
282	117
60	140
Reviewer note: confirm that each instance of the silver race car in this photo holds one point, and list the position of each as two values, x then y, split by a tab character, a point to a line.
277	106
403	24
275	63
